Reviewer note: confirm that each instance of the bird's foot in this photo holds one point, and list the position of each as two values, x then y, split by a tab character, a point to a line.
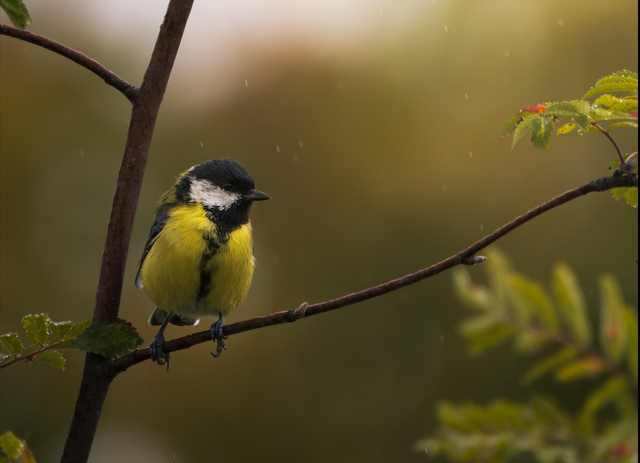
218	335
157	354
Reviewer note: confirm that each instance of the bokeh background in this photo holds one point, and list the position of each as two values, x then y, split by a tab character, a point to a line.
374	126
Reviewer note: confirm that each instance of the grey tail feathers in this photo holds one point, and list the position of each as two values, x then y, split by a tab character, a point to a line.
158	316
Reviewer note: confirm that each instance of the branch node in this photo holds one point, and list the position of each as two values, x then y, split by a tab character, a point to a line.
473	260
300	312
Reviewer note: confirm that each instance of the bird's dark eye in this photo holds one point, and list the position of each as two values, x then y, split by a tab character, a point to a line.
226	186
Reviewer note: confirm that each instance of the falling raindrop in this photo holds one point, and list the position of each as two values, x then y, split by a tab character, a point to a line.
466	96
201	144
246	83
339	85
81	152
442	338
445	188
300	143
470	154
278	148
481	227
507	54
560	22
296	158
446	29
380	10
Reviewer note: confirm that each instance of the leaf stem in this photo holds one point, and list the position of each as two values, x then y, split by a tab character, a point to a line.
31	355
608	135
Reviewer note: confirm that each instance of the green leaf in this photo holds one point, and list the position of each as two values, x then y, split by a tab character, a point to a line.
510	125
52	357
472	296
620	76
541	131
571	302
619	193
66	331
599	398
484	332
12	446
523	127
548	414
613	335
549	364
612	87
532	298
566	128
3	456
576	111
587	367
37	328
601	114
4	357
17	12
631	325
108	340
615	125
632	196
11	343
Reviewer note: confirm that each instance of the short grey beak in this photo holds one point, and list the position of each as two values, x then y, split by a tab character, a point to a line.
256	195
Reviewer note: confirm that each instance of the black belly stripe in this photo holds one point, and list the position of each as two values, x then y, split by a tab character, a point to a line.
206	272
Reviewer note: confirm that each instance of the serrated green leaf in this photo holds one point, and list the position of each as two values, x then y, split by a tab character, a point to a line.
17	12
523	127
571	302
549	364
531	298
12	446
615	125
52	357
4	357
631	326
541	131
567	128
601	114
3	456
11	342
612	87
632	196
576	111
527	342
65	331
611	102
620	76
28	350
587	367
510	126
108	340
613	335
598	399
619	193
37	328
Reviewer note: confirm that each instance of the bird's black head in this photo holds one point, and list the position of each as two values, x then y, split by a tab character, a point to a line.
223	187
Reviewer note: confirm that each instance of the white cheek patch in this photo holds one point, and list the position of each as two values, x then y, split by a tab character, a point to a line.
211	195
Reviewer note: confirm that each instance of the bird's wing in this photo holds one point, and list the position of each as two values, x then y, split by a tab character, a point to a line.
156	228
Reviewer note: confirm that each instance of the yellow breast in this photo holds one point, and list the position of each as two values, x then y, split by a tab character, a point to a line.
181	257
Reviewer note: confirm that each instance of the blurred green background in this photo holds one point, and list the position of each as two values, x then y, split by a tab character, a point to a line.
374	126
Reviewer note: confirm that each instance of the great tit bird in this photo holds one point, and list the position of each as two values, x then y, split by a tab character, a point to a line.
198	259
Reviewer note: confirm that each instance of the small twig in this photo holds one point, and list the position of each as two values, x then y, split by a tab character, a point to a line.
30	355
305	310
83	60
608	135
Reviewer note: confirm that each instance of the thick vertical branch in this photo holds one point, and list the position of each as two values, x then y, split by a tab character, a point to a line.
96	378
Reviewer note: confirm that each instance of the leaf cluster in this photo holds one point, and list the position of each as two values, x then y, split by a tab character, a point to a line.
514	308
579	114
47	338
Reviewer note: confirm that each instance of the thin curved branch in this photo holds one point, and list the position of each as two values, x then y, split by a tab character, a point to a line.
608	135
83	60
465	257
